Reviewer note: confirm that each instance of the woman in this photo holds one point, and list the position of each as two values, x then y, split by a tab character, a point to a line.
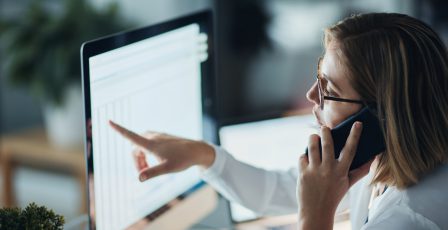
393	61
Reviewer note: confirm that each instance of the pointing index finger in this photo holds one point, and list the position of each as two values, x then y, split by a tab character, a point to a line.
133	137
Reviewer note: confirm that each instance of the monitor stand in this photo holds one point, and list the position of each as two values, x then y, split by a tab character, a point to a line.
183	214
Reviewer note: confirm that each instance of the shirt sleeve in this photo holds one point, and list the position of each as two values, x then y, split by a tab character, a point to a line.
262	191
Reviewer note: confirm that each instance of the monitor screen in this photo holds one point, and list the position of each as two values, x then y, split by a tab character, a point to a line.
149	80
272	144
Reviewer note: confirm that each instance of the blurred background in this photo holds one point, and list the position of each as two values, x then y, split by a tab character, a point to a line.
266	60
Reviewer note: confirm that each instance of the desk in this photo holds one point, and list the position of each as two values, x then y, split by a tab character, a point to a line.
31	148
289	222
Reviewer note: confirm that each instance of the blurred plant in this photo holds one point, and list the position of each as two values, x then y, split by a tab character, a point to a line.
32	217
43	48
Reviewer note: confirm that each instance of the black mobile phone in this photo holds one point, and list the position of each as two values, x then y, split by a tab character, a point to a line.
370	143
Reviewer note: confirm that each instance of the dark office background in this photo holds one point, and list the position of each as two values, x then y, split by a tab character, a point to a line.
266	60
266	49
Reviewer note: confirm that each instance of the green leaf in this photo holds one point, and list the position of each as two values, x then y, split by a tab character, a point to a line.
32	217
42	47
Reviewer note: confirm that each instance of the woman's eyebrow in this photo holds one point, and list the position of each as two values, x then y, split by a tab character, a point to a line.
332	82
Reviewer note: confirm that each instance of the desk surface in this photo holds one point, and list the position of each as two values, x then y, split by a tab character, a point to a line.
288	222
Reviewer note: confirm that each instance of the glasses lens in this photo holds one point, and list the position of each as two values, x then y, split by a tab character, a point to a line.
319	85
321	95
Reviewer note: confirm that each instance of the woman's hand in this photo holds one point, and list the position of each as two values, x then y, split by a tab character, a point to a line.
324	182
174	154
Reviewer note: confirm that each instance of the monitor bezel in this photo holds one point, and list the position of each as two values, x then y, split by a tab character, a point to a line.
92	48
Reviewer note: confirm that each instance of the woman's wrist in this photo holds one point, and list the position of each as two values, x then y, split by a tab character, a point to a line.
206	155
316	217
316	220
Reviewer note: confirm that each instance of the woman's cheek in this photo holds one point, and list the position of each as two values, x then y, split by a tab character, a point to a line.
332	119
329	119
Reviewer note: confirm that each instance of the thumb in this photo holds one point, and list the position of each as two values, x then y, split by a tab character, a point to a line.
357	174
153	171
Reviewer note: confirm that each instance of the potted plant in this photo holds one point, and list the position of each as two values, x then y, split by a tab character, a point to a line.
42	54
32	217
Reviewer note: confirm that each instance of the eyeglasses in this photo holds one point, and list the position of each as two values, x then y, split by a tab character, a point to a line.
321	85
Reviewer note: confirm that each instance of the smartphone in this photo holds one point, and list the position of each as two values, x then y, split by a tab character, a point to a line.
370	143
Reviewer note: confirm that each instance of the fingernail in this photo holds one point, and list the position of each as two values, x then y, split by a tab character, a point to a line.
358	124
143	177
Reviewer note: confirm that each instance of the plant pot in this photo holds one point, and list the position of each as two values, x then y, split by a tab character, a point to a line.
64	123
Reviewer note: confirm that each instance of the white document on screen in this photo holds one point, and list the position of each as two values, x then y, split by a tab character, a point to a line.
153	84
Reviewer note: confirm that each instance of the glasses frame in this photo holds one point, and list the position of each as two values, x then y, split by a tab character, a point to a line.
322	96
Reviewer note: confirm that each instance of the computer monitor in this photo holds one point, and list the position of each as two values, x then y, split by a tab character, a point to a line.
147	79
272	144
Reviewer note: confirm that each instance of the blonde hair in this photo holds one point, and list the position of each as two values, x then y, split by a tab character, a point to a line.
400	64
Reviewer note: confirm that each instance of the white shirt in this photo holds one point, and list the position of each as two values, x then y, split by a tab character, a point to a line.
423	206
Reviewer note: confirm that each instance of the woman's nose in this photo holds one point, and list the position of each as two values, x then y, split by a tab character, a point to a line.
313	94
